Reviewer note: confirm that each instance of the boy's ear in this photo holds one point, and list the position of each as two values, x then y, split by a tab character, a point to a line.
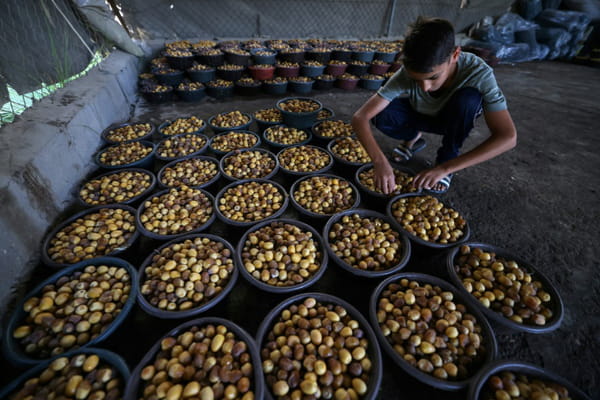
456	54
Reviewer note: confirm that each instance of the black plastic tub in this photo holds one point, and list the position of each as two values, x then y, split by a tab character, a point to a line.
299	120
158	97
192	312
321	56
373	351
323	84
230	75
297	174
341	54
404	256
220	153
167	123
380	199
237	59
370	84
146	162
247	90
418	240
311	71
130	201
181	157
303	211
275	88
291	56
385	56
278	146
264	59
488	337
326	110
349	167
133	386
556	303
152	235
109	357
231	153
283	289
180	62
204	185
170	78
262	125
356	69
106	132
191	95
220	92
219	129
11	347
246	224
202	76
300	87
363	55
46	243
477	385
324	140
214	60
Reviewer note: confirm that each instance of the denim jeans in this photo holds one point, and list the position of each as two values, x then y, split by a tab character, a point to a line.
454	122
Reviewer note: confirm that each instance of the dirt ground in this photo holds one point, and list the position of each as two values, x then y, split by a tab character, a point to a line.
539	201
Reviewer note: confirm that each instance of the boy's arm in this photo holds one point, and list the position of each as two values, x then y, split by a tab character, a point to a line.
503	138
384	174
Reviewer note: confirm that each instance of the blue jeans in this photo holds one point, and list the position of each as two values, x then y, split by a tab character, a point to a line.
454	122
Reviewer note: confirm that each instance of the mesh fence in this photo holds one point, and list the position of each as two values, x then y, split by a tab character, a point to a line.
44	42
188	19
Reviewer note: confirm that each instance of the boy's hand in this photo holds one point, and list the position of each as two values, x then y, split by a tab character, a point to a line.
385	179
428	178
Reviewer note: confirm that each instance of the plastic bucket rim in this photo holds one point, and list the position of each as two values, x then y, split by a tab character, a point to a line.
418	240
134	164
375	348
315	130
110	357
222	153
282	289
370	192
281	145
12	349
523	367
163	314
301	173
504	322
153	183
245	224
46	260
174	162
218	129
121	125
195	153
233	179
167	123
338	158
144	232
430	380
311	214
363	212
298	114
133	384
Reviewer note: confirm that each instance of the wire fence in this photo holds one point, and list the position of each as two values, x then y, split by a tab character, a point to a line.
46	43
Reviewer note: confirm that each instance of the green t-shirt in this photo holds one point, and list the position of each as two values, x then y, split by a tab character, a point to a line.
472	72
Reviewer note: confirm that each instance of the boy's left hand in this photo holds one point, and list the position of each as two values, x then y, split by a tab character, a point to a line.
428	178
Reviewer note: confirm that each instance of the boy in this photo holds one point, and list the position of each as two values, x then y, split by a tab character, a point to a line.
438	90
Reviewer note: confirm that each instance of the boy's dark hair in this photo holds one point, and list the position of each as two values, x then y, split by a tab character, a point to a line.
428	43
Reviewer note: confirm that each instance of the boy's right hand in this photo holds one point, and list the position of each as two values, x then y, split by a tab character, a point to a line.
384	176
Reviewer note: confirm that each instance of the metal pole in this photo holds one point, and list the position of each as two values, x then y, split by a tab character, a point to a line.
391	19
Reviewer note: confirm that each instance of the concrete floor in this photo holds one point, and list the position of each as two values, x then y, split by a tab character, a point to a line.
540	201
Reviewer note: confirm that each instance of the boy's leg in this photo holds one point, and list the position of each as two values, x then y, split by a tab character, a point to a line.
400	121
455	121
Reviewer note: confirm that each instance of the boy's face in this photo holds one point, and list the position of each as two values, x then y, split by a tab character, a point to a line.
440	76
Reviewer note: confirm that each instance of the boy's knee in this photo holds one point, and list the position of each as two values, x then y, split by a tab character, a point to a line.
468	99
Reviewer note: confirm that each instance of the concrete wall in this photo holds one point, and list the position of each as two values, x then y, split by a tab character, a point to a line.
47	152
